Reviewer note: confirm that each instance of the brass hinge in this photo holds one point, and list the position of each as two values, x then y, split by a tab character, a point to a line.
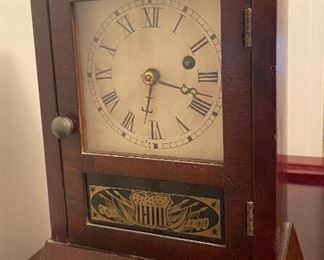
250	218
248	27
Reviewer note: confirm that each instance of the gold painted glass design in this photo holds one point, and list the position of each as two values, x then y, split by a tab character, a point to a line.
150	78
169	210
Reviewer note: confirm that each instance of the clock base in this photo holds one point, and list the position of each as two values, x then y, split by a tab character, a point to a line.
289	249
60	251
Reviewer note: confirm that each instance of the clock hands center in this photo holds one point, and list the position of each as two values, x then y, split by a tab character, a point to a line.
184	89
150	78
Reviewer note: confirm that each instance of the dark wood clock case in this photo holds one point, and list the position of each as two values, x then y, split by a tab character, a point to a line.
249	172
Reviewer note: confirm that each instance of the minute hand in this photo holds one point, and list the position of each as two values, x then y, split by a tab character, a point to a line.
184	89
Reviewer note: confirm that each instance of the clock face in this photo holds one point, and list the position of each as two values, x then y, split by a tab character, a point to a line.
151	77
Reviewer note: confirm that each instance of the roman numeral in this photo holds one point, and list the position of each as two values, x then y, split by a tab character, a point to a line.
155	130
126	25
198	45
178	23
200	106
103	74
110	100
183	128
107	48
207	76
128	122
152	16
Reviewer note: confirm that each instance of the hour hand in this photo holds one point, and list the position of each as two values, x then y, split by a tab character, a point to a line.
150	78
147	109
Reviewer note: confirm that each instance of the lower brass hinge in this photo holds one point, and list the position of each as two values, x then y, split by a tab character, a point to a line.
248	27
250	218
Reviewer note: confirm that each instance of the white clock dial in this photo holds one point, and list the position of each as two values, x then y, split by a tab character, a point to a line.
153	71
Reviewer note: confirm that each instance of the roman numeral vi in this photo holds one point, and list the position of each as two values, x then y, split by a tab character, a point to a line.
155	130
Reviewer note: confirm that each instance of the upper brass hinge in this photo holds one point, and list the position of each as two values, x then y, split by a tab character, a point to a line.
248	27
250	218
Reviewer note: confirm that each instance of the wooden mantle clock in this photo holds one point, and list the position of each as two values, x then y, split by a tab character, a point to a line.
159	121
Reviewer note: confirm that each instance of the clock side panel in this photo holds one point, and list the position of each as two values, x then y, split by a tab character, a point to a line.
234	177
270	184
47	93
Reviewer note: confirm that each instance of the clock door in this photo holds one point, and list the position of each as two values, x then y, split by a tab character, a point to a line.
155	103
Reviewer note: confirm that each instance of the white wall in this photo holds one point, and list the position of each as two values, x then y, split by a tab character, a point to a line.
300	100
306	211
305	71
24	217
